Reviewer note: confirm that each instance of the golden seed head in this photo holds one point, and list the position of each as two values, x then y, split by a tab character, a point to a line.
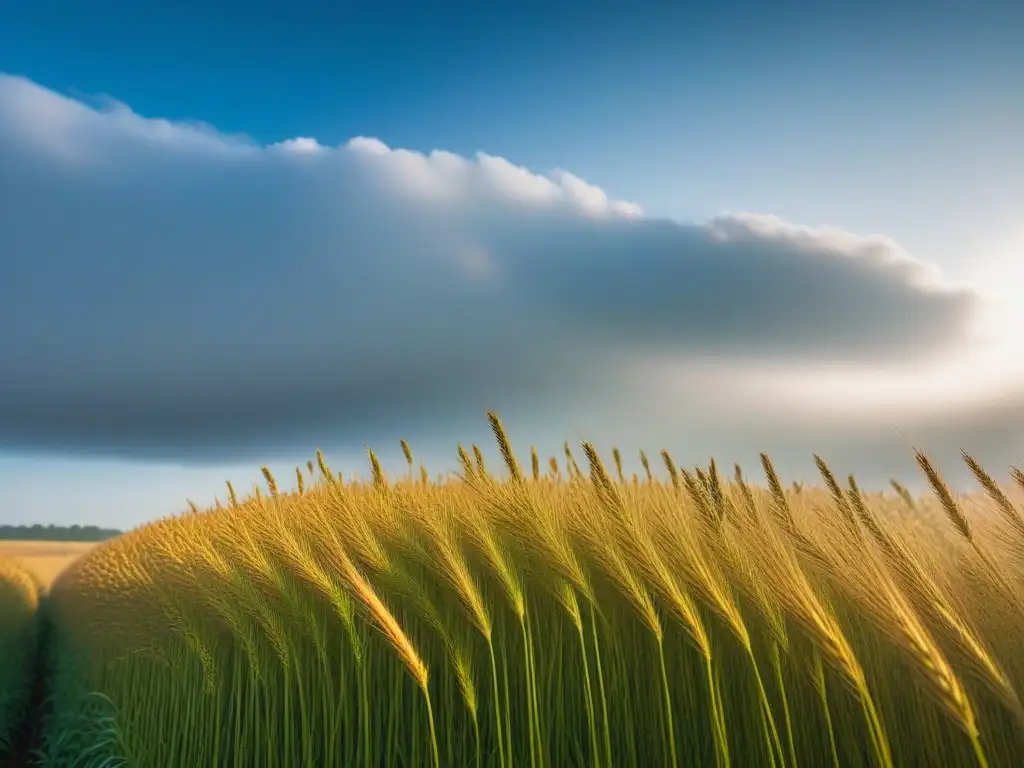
505	447
646	465
269	477
467	464
379	482
325	470
481	467
949	505
670	465
617	458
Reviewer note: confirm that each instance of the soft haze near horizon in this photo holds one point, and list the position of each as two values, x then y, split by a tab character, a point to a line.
230	235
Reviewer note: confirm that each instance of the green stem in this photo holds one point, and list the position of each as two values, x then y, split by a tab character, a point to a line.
718	717
777	665
497	704
364	695
433	732
590	697
532	672
669	721
772	739
979	753
877	732
600	685
530	703
508	707
819	676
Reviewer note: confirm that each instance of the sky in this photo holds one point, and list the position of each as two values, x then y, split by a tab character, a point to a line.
231	234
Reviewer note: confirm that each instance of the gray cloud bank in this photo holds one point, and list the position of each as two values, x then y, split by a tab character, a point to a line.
166	289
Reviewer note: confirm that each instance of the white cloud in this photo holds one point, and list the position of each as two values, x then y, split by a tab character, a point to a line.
164	285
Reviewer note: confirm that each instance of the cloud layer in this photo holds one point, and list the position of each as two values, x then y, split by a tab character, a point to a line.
164	287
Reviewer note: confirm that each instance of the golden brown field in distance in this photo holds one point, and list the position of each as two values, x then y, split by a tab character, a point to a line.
46	559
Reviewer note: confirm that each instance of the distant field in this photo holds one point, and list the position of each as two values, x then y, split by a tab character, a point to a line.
45	558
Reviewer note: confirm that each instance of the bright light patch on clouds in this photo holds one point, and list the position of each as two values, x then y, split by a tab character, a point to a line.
1000	280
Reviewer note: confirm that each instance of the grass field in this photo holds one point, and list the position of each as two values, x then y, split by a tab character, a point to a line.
46	559
558	615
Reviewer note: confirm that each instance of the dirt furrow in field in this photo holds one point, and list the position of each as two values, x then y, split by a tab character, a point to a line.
27	742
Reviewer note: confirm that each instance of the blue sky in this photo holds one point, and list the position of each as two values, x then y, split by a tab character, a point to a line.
821	221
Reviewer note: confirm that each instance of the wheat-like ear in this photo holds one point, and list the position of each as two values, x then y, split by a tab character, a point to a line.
269	477
697	490
904	495
617	458
534	463
943	683
745	493
379	481
701	477
457	572
232	498
309	467
647	466
867	517
325	470
553	467
481	467
424	477
192	507
781	505
389	625
960	522
933	600
301	481
468	472
714	484
505	447
602	482
610	559
877	591
949	505
570	463
838	498
407	452
670	465
775	563
719	500
1018	477
995	493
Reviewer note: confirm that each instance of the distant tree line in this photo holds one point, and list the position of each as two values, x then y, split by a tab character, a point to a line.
56	533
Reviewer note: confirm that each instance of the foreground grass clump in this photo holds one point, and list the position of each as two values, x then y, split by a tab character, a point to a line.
550	620
19	636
